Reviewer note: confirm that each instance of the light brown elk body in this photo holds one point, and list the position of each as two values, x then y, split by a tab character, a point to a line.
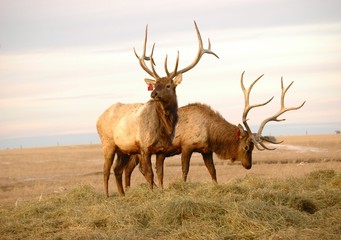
143	129
200	129
136	128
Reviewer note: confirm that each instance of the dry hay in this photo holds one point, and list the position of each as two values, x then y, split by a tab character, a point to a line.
308	207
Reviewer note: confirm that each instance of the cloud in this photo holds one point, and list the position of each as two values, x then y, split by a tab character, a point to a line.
64	62
37	24
77	97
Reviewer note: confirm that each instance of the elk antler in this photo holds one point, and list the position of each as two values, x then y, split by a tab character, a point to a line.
247	106
171	75
258	138
282	110
144	57
201	52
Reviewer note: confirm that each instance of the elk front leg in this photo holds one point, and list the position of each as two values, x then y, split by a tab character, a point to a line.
208	159
160	158
185	160
133	162
109	154
146	164
121	162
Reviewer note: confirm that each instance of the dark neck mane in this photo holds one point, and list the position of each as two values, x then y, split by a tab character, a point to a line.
169	117
223	137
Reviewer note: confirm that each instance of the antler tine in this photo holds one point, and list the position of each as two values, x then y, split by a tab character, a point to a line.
156	76
209	51
269	140
201	52
247	107
166	68
274	118
171	75
201	46
264	146
282	110
283	95
144	57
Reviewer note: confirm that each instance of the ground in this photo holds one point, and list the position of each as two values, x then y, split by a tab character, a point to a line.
34	173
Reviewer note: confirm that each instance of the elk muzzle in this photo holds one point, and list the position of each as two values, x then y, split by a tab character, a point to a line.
247	166
247	162
154	94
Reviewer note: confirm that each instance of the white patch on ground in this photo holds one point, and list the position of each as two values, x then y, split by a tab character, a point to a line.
297	148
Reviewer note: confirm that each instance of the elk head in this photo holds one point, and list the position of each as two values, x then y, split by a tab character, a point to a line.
247	139
164	87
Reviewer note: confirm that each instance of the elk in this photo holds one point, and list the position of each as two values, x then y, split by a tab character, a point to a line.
144	129
200	129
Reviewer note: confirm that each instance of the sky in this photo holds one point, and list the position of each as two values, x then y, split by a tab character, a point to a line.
63	62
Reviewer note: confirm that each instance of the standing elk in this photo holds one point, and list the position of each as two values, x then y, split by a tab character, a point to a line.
139	128
200	129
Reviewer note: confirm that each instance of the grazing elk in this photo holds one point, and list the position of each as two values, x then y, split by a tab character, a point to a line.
200	129
139	128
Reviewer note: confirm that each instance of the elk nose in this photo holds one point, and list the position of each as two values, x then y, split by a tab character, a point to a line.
153	94
247	166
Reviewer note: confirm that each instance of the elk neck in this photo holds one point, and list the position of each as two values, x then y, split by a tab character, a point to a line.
168	114
224	140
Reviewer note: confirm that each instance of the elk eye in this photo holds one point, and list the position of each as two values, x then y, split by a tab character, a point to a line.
246	148
168	86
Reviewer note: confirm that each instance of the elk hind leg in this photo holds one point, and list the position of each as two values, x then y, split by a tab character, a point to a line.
132	163
208	159
160	158
185	161
146	165
121	162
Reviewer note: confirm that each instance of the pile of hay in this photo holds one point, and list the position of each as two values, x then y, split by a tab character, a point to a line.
248	208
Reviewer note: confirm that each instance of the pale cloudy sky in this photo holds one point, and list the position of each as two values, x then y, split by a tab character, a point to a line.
63	62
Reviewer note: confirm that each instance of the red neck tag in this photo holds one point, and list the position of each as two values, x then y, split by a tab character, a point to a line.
238	133
150	87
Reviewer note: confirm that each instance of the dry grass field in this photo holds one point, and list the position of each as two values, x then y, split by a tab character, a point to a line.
34	173
57	193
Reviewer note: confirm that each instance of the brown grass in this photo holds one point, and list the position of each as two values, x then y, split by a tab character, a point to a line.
57	193
36	172
248	208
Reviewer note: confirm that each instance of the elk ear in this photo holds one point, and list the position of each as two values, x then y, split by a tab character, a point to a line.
240	132
177	79
150	82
